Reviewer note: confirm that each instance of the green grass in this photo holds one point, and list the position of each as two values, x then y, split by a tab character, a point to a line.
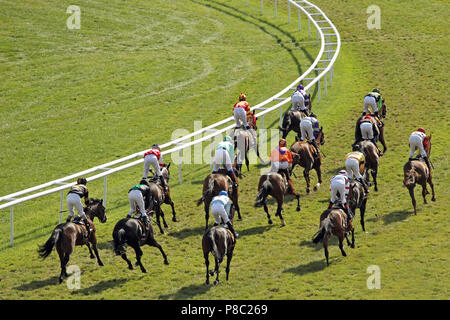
71	100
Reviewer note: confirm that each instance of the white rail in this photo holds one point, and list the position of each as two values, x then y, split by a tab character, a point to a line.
330	44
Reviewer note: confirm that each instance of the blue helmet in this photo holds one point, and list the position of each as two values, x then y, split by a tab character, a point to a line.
223	193
300	87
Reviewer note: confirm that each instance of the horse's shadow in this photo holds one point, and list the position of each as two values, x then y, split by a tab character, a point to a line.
187	293
394	216
313	266
188	232
101	286
38	284
255	230
317	247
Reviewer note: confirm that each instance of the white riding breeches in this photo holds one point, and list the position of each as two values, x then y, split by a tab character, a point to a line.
416	142
352	167
240	116
370	102
298	102
338	185
151	160
366	130
306	130
74	202
218	212
136	200
222	157
277	165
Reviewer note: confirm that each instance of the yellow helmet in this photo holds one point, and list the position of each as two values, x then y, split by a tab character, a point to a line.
242	97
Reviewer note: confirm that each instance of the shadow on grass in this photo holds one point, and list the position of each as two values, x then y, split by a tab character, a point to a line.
188	232
38	284
392	217
313	266
187	292
101	286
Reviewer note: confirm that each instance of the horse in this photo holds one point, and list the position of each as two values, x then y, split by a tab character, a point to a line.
129	231
372	160
67	235
219	241
378	134
416	171
303	155
291	121
274	184
159	196
244	141
356	199
332	222
212	185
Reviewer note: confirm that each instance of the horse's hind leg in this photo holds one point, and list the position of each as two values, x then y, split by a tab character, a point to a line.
164	220
325	248
94	246
91	254
139	253
269	220
362	211
229	257
430	181
319	177
63	262
216	271
341	244
158	222
152	242
206	215
205	255
424	192
308	182
280	211
413	199
174	215
374	176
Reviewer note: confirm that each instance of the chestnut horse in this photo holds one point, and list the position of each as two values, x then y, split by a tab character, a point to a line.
274	184
67	235
332	221
416	172
219	241
303	155
212	185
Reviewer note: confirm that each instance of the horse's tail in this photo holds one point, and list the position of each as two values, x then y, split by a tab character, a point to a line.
324	229
209	192
119	241
215	250
45	250
263	193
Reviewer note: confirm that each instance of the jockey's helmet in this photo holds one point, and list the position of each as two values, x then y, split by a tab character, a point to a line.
343	172
143	181
242	97
376	90
421	130
356	147
223	193
82	181
313	115
227	138
368	117
155	146
300	87
282	143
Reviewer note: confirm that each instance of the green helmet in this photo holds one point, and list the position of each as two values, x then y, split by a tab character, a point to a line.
227	138
376	90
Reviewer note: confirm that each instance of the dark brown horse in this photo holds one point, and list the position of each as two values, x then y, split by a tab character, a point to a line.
291	121
219	241
379	133
333	222
159	197
275	185
129	231
212	185
417	172
67	235
303	155
356	199
372	160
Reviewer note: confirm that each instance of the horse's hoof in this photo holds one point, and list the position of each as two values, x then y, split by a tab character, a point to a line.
270	221
216	282
211	273
166	262
60	280
308	191
352	246
144	271
433	199
174	220
344	254
100	264
92	257
207	283
298	209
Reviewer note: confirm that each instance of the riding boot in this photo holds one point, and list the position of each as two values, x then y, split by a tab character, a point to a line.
314	143
68	219
427	161
230	227
375	143
163	182
364	184
146	222
88	227
234	179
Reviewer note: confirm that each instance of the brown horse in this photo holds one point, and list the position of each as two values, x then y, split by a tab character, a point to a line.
129	231
212	185
159	197
275	185
67	235
372	160
333	221
219	241
303	155
379	129
356	199
416	171
291	121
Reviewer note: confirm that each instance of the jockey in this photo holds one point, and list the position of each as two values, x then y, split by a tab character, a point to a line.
354	164
139	197
417	141
309	129
374	100
241	112
300	100
73	199
340	183
281	158
367	130
154	158
223	155
220	209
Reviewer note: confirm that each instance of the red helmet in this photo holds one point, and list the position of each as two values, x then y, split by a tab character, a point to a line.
368	117
421	130
282	143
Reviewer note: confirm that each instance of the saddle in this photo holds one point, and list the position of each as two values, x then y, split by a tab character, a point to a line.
230	182
141	223
77	220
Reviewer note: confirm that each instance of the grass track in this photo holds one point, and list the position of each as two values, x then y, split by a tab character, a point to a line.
103	108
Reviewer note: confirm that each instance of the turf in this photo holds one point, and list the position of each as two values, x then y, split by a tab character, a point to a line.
73	99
